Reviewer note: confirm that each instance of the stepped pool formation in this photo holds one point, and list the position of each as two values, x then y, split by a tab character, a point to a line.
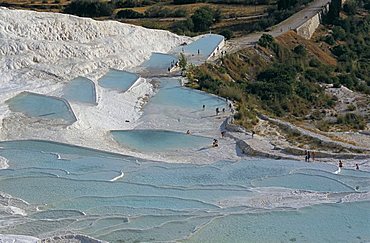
127	170
42	106
204	46
80	89
119	198
160	62
172	93
118	80
160	140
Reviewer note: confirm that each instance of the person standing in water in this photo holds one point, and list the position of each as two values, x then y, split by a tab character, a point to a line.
357	167
340	164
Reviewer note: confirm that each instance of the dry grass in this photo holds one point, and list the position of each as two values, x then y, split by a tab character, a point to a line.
226	9
291	39
331	136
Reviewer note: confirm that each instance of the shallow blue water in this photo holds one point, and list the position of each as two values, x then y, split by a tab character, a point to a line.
345	222
80	89
119	80
206	45
161	201
160	61
171	93
159	140
41	106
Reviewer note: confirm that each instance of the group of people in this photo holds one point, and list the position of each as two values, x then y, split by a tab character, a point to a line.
309	155
215	141
173	64
340	165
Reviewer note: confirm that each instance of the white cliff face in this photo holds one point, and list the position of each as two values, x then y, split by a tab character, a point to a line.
41	52
30	39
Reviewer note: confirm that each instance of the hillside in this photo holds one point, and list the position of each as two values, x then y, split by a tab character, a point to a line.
298	82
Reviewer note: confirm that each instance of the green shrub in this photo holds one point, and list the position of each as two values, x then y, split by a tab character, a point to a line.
329	39
314	63
352	119
351	107
89	8
300	50
350	7
128	14
232	93
339	33
183	26
202	19
265	40
228	34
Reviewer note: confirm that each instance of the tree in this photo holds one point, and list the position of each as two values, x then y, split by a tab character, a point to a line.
89	8
350	7
183	62
202	19
334	9
286	4
339	33
265	40
183	26
228	34
129	14
300	50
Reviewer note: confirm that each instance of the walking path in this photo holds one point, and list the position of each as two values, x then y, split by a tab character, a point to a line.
290	23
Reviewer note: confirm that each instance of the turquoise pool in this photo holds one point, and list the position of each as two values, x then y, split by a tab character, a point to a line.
80	89
160	61
120	198
42	106
205	44
119	80
171	93
159	140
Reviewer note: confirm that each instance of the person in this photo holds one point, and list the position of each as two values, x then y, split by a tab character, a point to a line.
313	154
215	143
223	110
204	107
217	111
223	134
253	134
340	164
198	51
357	167
188	132
230	106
